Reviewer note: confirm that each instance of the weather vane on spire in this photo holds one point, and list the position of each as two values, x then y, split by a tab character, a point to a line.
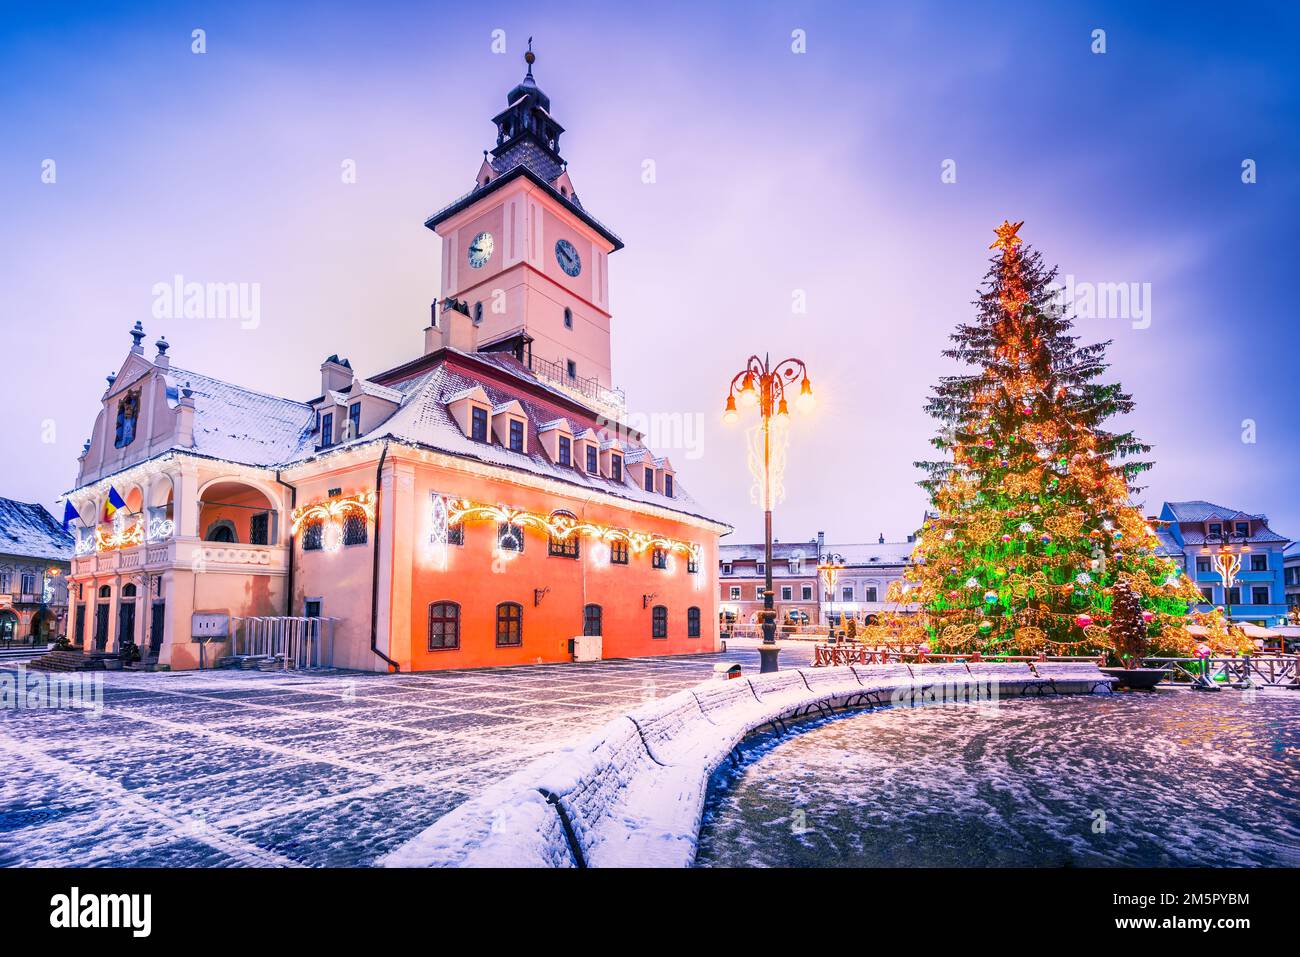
530	57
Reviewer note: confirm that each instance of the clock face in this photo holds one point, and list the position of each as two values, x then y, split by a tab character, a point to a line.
480	250
568	257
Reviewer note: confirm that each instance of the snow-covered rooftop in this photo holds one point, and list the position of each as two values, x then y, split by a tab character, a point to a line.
30	531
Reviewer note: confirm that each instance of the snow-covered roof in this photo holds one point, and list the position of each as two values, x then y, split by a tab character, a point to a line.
1200	511
872	553
240	425
30	531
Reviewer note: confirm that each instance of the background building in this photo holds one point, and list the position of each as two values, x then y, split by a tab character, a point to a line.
863	582
742	577
35	553
1197	529
1291	575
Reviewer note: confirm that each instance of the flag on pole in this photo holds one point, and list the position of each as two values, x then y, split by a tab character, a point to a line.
114	503
70	514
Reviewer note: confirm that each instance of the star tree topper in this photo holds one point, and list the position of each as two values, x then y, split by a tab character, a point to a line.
1006	234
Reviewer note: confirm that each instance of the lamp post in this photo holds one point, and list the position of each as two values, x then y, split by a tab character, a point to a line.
829	571
763	385
1227	560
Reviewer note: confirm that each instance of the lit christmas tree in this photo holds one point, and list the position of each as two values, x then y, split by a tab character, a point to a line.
1031	526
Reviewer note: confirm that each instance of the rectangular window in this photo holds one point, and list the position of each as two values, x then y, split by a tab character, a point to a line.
668	484
847	593
1243	529
1216	529
566	450
659	621
1202	565
259	529
354	420
354	529
516	435
726	568
758	593
787	593
6	582
735	593
1259	595
616	467
760	568
444	625
1208	595
592	623
510	625
510	538
29	584
593	459
571	368
1259	563
1234	596
563	547
659	558
311	607
692	622
478	424
618	553
456	534
692	565
312	536
806	592
648	480
869	593
326	429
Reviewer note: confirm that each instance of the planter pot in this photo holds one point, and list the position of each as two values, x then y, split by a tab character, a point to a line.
1136	679
112	664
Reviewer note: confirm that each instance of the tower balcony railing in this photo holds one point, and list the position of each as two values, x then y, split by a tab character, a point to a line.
611	401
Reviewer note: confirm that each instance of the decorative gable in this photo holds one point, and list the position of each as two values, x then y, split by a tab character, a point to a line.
472	412
510	426
556	437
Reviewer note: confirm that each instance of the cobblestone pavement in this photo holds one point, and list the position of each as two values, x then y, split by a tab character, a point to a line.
223	768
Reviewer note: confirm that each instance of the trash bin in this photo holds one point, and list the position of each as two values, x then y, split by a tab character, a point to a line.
726	670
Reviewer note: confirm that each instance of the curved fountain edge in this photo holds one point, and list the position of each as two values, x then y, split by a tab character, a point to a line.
632	793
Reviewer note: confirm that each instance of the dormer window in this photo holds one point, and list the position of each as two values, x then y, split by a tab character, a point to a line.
326	429
128	412
565	450
648	479
616	467
478	429
516	435
1216	529
472	413
1243	529
668	484
354	420
593	459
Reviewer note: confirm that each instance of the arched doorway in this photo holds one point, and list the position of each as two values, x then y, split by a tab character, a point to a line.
234	513
8	625
126	618
101	617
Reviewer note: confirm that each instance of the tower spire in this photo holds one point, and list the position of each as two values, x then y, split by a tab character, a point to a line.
530	58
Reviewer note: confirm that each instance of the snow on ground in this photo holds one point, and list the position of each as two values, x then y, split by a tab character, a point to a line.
222	768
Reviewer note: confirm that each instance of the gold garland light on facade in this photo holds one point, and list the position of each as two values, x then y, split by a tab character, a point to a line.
333	512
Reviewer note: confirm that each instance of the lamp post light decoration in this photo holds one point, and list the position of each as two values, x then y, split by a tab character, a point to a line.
1226	560
828	569
762	385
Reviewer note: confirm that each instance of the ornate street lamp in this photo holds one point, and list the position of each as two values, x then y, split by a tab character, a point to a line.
762	385
1226	560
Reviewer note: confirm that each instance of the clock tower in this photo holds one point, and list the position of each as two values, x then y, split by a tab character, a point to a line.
524	255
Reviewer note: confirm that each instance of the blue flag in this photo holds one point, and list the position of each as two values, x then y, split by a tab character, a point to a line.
70	514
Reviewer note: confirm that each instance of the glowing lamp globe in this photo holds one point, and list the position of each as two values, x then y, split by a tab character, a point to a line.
748	395
729	414
782	408
806	401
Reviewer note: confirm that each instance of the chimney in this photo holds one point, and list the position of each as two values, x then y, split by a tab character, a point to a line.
185	418
451	327
882	538
821	542
335	374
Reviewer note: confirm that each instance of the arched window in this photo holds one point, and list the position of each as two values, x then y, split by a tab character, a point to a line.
222	530
128	410
510	624
692	622
564	547
444	625
313	535
659	621
592	620
128	591
105	591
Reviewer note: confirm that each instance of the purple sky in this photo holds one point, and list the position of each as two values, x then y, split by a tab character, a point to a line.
776	172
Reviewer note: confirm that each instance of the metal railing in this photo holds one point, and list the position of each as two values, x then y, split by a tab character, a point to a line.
1277	671
589	388
296	642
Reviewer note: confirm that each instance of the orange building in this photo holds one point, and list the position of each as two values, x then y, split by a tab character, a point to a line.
482	504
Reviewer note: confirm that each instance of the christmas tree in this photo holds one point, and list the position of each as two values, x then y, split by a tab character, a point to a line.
1032	526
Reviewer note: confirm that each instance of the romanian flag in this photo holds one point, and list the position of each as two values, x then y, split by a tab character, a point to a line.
114	503
69	514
